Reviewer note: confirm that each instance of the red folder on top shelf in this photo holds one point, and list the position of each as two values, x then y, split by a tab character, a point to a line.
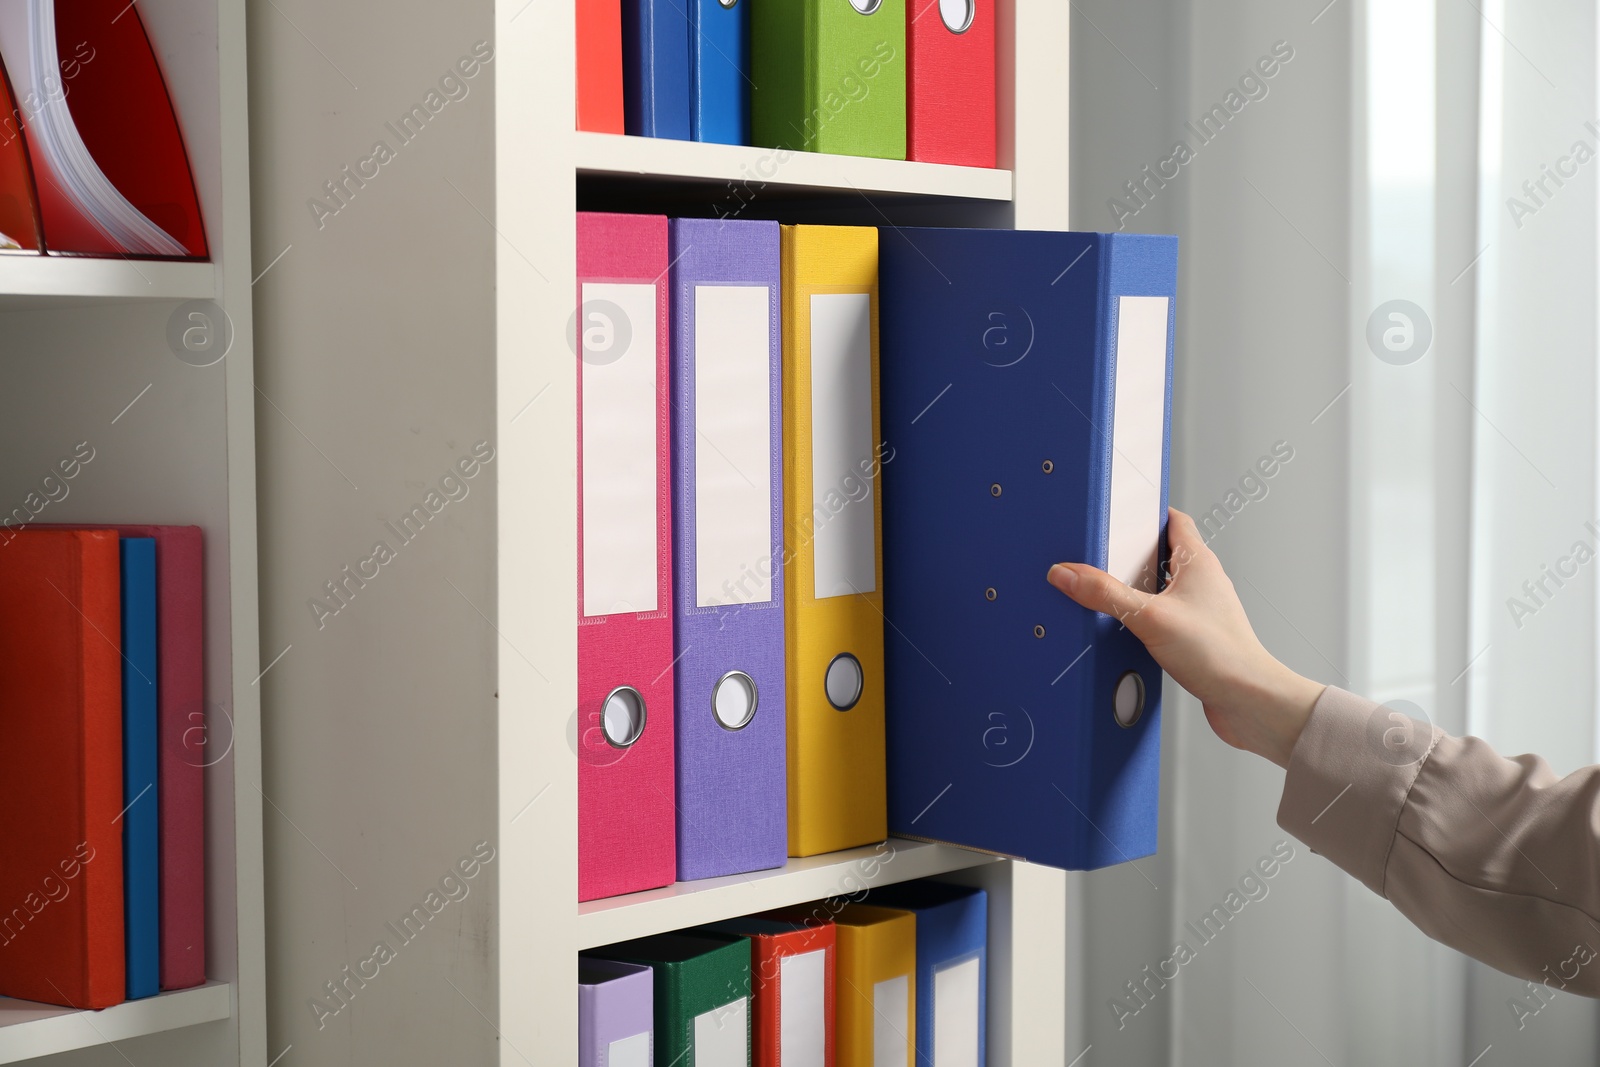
109	163
19	207
600	66
187	745
950	82
61	933
626	825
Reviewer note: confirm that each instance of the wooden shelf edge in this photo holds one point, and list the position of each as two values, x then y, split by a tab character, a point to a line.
683	904
740	166
29	1030
30	282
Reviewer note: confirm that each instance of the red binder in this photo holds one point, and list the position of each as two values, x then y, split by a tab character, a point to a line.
108	159
189	744
626	825
950	98
19	207
61	933
600	66
792	974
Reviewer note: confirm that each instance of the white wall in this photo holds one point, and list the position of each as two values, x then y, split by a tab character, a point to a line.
374	350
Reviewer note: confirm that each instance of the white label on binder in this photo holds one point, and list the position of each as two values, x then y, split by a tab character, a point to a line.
722	1036
842	456
891	1022
955	1014
619	449
803	1030
1139	414
732	444
629	1052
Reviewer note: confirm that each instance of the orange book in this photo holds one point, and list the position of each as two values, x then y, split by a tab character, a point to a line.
19	206
61	920
600	65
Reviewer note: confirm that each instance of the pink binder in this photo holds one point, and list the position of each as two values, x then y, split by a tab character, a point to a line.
186	747
626	828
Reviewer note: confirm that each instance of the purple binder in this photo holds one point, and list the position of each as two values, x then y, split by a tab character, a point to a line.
615	1009
727	527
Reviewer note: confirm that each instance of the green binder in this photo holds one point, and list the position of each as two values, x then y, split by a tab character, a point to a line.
702	996
829	76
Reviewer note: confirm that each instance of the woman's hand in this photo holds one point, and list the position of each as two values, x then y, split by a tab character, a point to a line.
1197	630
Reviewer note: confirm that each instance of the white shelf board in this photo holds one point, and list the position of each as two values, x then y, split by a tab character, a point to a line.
28	1029
29	281
683	904
660	159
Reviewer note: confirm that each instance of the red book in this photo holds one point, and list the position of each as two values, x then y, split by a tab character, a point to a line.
627	826
19	207
600	66
189	744
61	921
950	95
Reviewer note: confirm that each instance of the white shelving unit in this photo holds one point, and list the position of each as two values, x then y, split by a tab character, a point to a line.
544	171
755	169
28	281
84	356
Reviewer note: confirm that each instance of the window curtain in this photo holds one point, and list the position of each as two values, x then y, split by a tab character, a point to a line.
1387	215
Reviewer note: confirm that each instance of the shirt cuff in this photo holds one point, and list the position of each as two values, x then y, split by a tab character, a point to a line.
1349	776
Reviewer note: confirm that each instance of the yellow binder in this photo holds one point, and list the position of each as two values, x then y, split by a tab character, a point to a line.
833	569
875	993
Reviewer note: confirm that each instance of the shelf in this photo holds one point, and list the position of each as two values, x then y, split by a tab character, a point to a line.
28	1029
658	159
58	281
683	904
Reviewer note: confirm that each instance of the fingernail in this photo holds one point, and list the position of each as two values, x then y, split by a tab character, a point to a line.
1063	577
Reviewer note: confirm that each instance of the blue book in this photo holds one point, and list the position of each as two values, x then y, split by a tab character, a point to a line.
719	70
655	68
1026	396
952	969
141	892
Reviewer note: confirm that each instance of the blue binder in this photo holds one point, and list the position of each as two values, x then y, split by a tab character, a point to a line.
655	68
952	969
141	813
719	70
1026	393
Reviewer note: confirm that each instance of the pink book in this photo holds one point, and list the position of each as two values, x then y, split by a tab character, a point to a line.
626	824
185	753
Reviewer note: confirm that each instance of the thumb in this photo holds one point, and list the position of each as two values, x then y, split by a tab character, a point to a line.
1099	591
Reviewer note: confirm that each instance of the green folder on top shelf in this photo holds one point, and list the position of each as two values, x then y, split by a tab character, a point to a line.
829	76
702	996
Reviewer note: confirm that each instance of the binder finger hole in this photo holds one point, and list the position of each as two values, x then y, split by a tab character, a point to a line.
843	681
1047	466
1127	702
866	7
957	14
733	700
622	716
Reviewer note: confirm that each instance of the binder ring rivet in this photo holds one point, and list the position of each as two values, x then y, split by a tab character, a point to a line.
957	15
1127	702
843	681
1038	631
866	7
989	593
1048	466
734	699
622	716
994	490
727	3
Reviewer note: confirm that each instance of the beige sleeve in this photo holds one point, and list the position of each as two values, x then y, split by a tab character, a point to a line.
1496	857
